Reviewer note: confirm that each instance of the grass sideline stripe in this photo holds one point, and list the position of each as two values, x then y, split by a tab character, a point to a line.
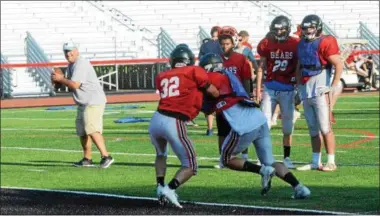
146	131
188	202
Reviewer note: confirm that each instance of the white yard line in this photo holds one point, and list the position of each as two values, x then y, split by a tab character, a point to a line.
71	118
153	155
189	202
113	153
146	131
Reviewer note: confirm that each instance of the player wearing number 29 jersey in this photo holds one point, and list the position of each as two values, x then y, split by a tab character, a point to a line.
181	90
278	53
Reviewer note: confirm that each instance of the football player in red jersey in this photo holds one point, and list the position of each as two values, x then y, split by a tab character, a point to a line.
239	65
318	55
278	55
248	124
181	94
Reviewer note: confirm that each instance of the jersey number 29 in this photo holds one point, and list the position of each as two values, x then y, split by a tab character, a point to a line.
278	64
170	87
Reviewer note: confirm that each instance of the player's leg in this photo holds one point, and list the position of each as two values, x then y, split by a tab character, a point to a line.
335	93
183	148
210	120
224	129
93	119
323	117
85	140
157	136
268	107
286	102
316	143
263	147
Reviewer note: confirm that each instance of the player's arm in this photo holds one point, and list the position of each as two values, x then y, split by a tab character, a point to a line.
259	76
338	64
298	73
212	90
203	82
60	78
330	50
246	76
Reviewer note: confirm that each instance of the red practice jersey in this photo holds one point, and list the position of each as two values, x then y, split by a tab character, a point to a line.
239	65
281	59
222	83
181	90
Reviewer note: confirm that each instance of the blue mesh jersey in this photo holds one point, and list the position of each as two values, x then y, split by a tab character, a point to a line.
211	46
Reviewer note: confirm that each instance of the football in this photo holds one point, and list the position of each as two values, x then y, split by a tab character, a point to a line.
56	70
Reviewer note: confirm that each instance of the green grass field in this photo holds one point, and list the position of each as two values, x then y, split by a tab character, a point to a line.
39	146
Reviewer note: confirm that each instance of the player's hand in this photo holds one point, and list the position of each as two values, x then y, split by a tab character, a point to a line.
258	98
57	75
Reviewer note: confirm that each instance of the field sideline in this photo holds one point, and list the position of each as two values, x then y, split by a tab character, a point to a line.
39	146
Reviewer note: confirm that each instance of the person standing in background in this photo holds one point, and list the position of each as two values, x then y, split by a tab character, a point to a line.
91	100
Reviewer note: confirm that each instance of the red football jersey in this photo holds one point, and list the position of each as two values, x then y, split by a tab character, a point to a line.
281	59
222	83
328	46
180	90
239	65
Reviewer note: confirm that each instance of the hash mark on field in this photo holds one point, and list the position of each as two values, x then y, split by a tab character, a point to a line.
36	170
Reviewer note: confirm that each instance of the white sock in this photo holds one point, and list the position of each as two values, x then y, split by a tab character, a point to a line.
331	158
316	158
244	156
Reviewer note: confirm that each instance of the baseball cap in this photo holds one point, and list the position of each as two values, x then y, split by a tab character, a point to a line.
69	46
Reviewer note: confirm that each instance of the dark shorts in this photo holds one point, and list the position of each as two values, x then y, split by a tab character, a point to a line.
222	124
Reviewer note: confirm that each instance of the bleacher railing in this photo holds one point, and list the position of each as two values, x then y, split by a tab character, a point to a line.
373	40
5	80
35	54
165	44
202	34
327	30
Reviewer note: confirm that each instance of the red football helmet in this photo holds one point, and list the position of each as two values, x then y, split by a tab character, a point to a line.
230	32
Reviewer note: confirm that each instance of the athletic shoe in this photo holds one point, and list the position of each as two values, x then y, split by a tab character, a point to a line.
106	162
310	167
84	163
219	166
267	173
209	132
329	167
161	198
288	163
171	196
301	192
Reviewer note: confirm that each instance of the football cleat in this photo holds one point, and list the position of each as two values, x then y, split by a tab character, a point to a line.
310	167
161	198
301	192
267	173
329	167
288	163
171	196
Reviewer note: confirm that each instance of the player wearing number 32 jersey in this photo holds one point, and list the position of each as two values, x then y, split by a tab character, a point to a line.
278	56
181	94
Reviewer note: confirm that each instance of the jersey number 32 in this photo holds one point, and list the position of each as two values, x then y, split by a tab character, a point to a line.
170	87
